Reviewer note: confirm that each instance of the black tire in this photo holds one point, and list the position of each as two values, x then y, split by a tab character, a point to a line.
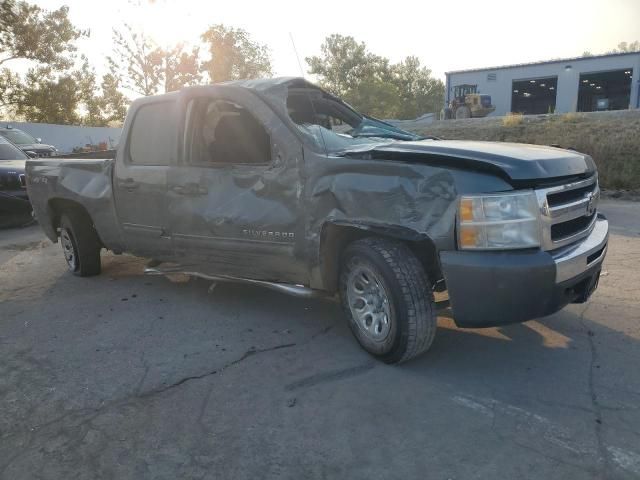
463	112
412	311
79	239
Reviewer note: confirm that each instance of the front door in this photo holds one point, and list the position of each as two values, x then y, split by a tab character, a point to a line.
140	179
234	200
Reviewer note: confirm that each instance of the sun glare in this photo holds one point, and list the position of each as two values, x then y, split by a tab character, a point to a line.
169	24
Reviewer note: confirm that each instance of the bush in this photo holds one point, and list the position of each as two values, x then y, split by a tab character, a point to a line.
512	119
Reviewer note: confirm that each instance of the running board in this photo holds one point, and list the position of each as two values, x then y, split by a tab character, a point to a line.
296	290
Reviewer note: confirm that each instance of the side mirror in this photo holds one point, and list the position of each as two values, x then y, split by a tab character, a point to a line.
31	154
39	140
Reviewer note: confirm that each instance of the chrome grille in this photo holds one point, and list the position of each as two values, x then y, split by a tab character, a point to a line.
568	212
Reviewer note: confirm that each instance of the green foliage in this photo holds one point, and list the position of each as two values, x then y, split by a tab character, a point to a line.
145	68
132	62
234	55
624	47
113	104
180	67
418	91
10	85
31	33
49	99
372	84
46	39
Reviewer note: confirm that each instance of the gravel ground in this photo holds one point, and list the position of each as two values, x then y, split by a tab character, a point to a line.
126	376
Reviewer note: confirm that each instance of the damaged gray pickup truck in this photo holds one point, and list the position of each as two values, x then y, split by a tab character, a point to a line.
278	183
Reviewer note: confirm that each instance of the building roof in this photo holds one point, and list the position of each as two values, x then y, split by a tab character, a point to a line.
544	62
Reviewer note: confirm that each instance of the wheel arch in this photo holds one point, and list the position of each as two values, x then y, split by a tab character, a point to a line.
336	235
57	207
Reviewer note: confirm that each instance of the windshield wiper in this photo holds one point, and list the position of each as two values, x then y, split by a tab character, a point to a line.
396	136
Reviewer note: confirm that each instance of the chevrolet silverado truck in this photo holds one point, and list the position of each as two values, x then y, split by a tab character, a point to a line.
278	183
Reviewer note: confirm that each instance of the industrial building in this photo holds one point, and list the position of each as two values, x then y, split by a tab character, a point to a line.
581	84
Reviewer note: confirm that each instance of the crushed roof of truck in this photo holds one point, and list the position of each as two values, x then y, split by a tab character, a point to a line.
266	84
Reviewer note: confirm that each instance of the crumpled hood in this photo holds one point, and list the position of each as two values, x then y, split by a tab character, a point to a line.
518	161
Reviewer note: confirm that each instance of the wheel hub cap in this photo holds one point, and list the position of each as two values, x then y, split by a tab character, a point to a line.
369	303
67	249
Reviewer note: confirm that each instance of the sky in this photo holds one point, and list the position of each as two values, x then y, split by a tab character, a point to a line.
445	35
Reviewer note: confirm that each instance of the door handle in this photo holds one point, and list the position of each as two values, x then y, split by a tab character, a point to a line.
129	184
194	189
179	189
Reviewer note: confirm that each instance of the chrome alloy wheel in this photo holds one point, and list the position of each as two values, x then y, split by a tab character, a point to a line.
68	249
369	303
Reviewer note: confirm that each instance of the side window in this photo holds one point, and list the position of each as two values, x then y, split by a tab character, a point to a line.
153	133
321	118
223	132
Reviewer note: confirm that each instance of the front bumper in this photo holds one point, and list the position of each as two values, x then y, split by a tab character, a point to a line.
15	208
497	288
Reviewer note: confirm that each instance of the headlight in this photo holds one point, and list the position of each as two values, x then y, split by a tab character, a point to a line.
498	221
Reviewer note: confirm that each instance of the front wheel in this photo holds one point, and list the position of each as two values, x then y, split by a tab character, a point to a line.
387	298
80	244
463	112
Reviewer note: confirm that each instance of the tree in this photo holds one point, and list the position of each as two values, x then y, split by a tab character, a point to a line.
624	47
345	64
30	33
58	87
10	90
70	98
44	38
132	63
143	67
372	84
234	55
418	91
359	77
49	98
113	103
178	67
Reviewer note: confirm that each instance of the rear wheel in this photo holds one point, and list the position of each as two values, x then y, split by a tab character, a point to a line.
463	112
387	298
80	244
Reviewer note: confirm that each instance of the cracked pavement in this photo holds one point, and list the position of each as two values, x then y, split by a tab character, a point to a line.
127	376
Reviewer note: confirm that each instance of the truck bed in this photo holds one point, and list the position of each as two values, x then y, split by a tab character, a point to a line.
103	154
86	182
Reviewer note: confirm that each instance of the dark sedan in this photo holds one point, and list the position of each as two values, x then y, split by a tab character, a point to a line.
15	208
30	145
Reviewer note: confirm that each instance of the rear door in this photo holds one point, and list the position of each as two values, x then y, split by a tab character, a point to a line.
140	178
235	198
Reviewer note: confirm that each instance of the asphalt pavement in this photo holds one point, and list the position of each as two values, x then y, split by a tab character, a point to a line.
126	376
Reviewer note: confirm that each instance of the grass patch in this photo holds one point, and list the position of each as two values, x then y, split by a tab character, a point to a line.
571	117
512	120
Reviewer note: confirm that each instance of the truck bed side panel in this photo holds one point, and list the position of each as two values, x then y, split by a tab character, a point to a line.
83	181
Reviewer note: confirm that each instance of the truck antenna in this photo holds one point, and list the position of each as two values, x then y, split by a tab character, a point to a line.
295	50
